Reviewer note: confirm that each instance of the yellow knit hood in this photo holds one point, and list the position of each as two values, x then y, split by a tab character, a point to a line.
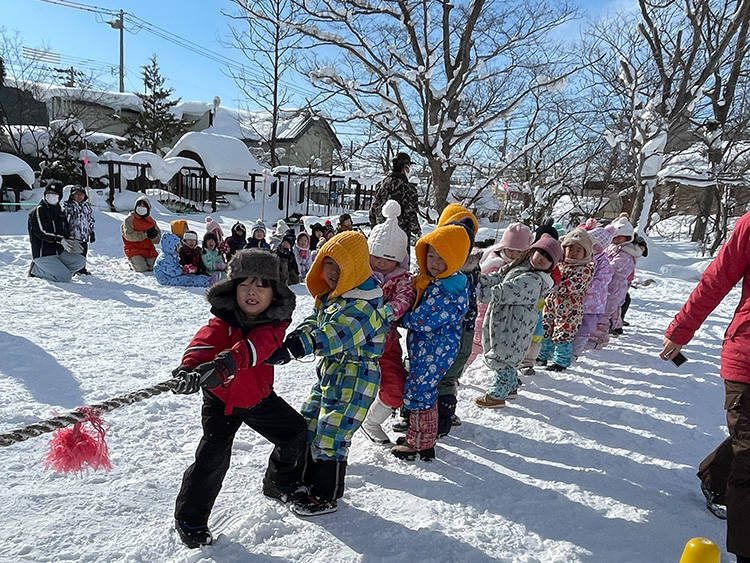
452	243
456	212
349	250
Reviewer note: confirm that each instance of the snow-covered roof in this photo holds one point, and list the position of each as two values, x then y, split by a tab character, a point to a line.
256	125
223	156
11	164
161	169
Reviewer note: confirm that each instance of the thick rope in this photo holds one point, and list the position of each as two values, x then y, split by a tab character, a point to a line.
78	415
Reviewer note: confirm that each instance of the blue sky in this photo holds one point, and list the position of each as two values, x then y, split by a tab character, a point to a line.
77	34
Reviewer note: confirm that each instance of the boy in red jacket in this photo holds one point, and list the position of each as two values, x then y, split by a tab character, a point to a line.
252	308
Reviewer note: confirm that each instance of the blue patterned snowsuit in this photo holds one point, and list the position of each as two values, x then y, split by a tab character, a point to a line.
348	333
168	271
434	338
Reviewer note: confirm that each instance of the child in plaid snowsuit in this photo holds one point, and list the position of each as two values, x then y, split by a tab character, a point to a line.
434	331
347	330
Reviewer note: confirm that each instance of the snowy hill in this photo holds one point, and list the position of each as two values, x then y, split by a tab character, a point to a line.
595	464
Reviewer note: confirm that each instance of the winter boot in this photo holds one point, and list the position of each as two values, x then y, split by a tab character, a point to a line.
406	452
372	427
403	424
487	401
446	405
715	502
326	485
193	536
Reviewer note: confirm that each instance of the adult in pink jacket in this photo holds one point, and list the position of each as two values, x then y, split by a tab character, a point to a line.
725	473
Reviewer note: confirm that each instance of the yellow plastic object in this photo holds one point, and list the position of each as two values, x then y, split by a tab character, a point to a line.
701	550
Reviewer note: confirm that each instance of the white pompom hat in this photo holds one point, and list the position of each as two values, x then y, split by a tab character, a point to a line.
388	240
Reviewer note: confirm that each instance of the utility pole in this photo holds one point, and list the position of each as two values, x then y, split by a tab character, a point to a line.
119	23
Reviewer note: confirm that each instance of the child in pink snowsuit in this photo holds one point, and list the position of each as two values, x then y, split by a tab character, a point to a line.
515	241
596	297
622	256
388	246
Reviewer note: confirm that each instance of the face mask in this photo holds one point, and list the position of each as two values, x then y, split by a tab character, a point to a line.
141	210
52	199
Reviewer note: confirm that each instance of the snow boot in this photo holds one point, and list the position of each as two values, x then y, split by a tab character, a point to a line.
193	536
372	427
487	401
313	505
285	494
326	480
715	502
446	405
555	367
406	452
403	424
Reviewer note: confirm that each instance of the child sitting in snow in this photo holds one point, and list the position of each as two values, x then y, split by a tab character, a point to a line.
388	246
190	254
234	242
251	309
258	236
596	296
168	271
212	259
303	254
563	310
434	332
213	227
347	330
512	295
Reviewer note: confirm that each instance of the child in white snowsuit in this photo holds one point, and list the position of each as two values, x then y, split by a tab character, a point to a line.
512	295
251	309
388	246
347	330
563	308
434	332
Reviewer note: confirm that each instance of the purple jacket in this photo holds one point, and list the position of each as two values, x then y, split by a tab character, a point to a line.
623	265
596	296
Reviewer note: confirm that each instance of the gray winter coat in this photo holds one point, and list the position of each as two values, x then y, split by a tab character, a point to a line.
512	314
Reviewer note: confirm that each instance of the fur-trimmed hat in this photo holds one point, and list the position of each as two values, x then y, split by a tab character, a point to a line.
456	212
388	240
256	263
579	236
551	246
349	250
621	227
516	236
601	238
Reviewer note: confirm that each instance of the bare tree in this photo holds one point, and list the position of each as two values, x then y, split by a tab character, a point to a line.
431	75
684	62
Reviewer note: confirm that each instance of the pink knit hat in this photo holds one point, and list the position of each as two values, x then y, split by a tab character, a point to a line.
212	227
516	237
551	247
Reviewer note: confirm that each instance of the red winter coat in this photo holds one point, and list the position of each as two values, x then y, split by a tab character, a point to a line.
731	265
254	379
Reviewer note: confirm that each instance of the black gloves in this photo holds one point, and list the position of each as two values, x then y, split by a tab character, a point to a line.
291	348
93	237
189	381
218	372
152	232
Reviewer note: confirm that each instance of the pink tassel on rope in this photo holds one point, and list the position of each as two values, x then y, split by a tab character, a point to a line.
72	448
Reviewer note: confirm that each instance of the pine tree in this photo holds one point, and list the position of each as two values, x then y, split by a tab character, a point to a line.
156	127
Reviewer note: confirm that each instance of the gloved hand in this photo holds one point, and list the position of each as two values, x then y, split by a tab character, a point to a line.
188	381
189	270
93	237
152	232
291	348
220	371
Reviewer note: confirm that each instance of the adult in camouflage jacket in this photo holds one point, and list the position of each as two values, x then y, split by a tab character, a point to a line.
396	186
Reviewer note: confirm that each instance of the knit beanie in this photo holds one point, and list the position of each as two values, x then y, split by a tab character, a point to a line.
387	240
551	246
258	226
452	243
212	227
256	263
601	238
289	237
178	227
349	250
546	228
579	236
621	227
516	237
559	228
281	227
456	212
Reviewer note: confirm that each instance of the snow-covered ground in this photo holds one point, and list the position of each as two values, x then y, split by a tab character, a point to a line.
595	464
